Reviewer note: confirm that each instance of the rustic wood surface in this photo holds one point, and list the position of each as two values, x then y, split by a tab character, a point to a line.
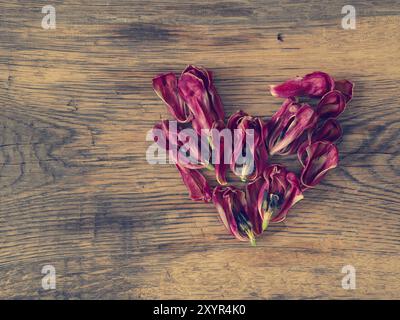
76	191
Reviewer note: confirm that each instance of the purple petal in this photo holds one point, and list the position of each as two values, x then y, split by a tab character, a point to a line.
195	95
280	191
197	90
331	105
166	87
318	83
330	131
196	183
346	88
315	84
292	196
252	190
231	206
290	127
317	159
206	76
243	125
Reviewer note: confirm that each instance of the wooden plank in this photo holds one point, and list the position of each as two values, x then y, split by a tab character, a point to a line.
75	188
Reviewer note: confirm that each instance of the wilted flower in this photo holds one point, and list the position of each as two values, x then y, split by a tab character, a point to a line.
252	190
315	84
331	105
166	87
346	88
231	206
199	190
279	192
317	159
284	132
197	90
248	136
329	130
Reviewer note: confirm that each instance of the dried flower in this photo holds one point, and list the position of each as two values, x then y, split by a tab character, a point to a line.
231	206
317	159
329	130
199	190
248	136
346	88
197	90
315	84
285	130
252	190
166	87
331	105
279	192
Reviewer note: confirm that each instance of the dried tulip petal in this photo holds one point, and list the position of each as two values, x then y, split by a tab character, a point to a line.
317	159
331	105
196	183
166	87
315	84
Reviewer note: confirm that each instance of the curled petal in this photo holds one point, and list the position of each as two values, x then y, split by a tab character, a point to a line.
252	190
317	159
193	92
223	208
255	124
290	88
279	192
235	119
248	137
207	78
293	195
276	175
287	127
318	83
231	206
166	87
346	88
330	131
196	183
196	88
315	84
331	105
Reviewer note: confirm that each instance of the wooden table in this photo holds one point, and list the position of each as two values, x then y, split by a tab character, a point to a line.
77	192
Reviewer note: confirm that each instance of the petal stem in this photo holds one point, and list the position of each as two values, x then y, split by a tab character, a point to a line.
266	220
210	167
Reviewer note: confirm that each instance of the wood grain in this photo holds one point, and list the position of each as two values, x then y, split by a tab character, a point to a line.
76	190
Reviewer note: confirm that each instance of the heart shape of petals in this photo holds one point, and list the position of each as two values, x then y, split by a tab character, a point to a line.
306	124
